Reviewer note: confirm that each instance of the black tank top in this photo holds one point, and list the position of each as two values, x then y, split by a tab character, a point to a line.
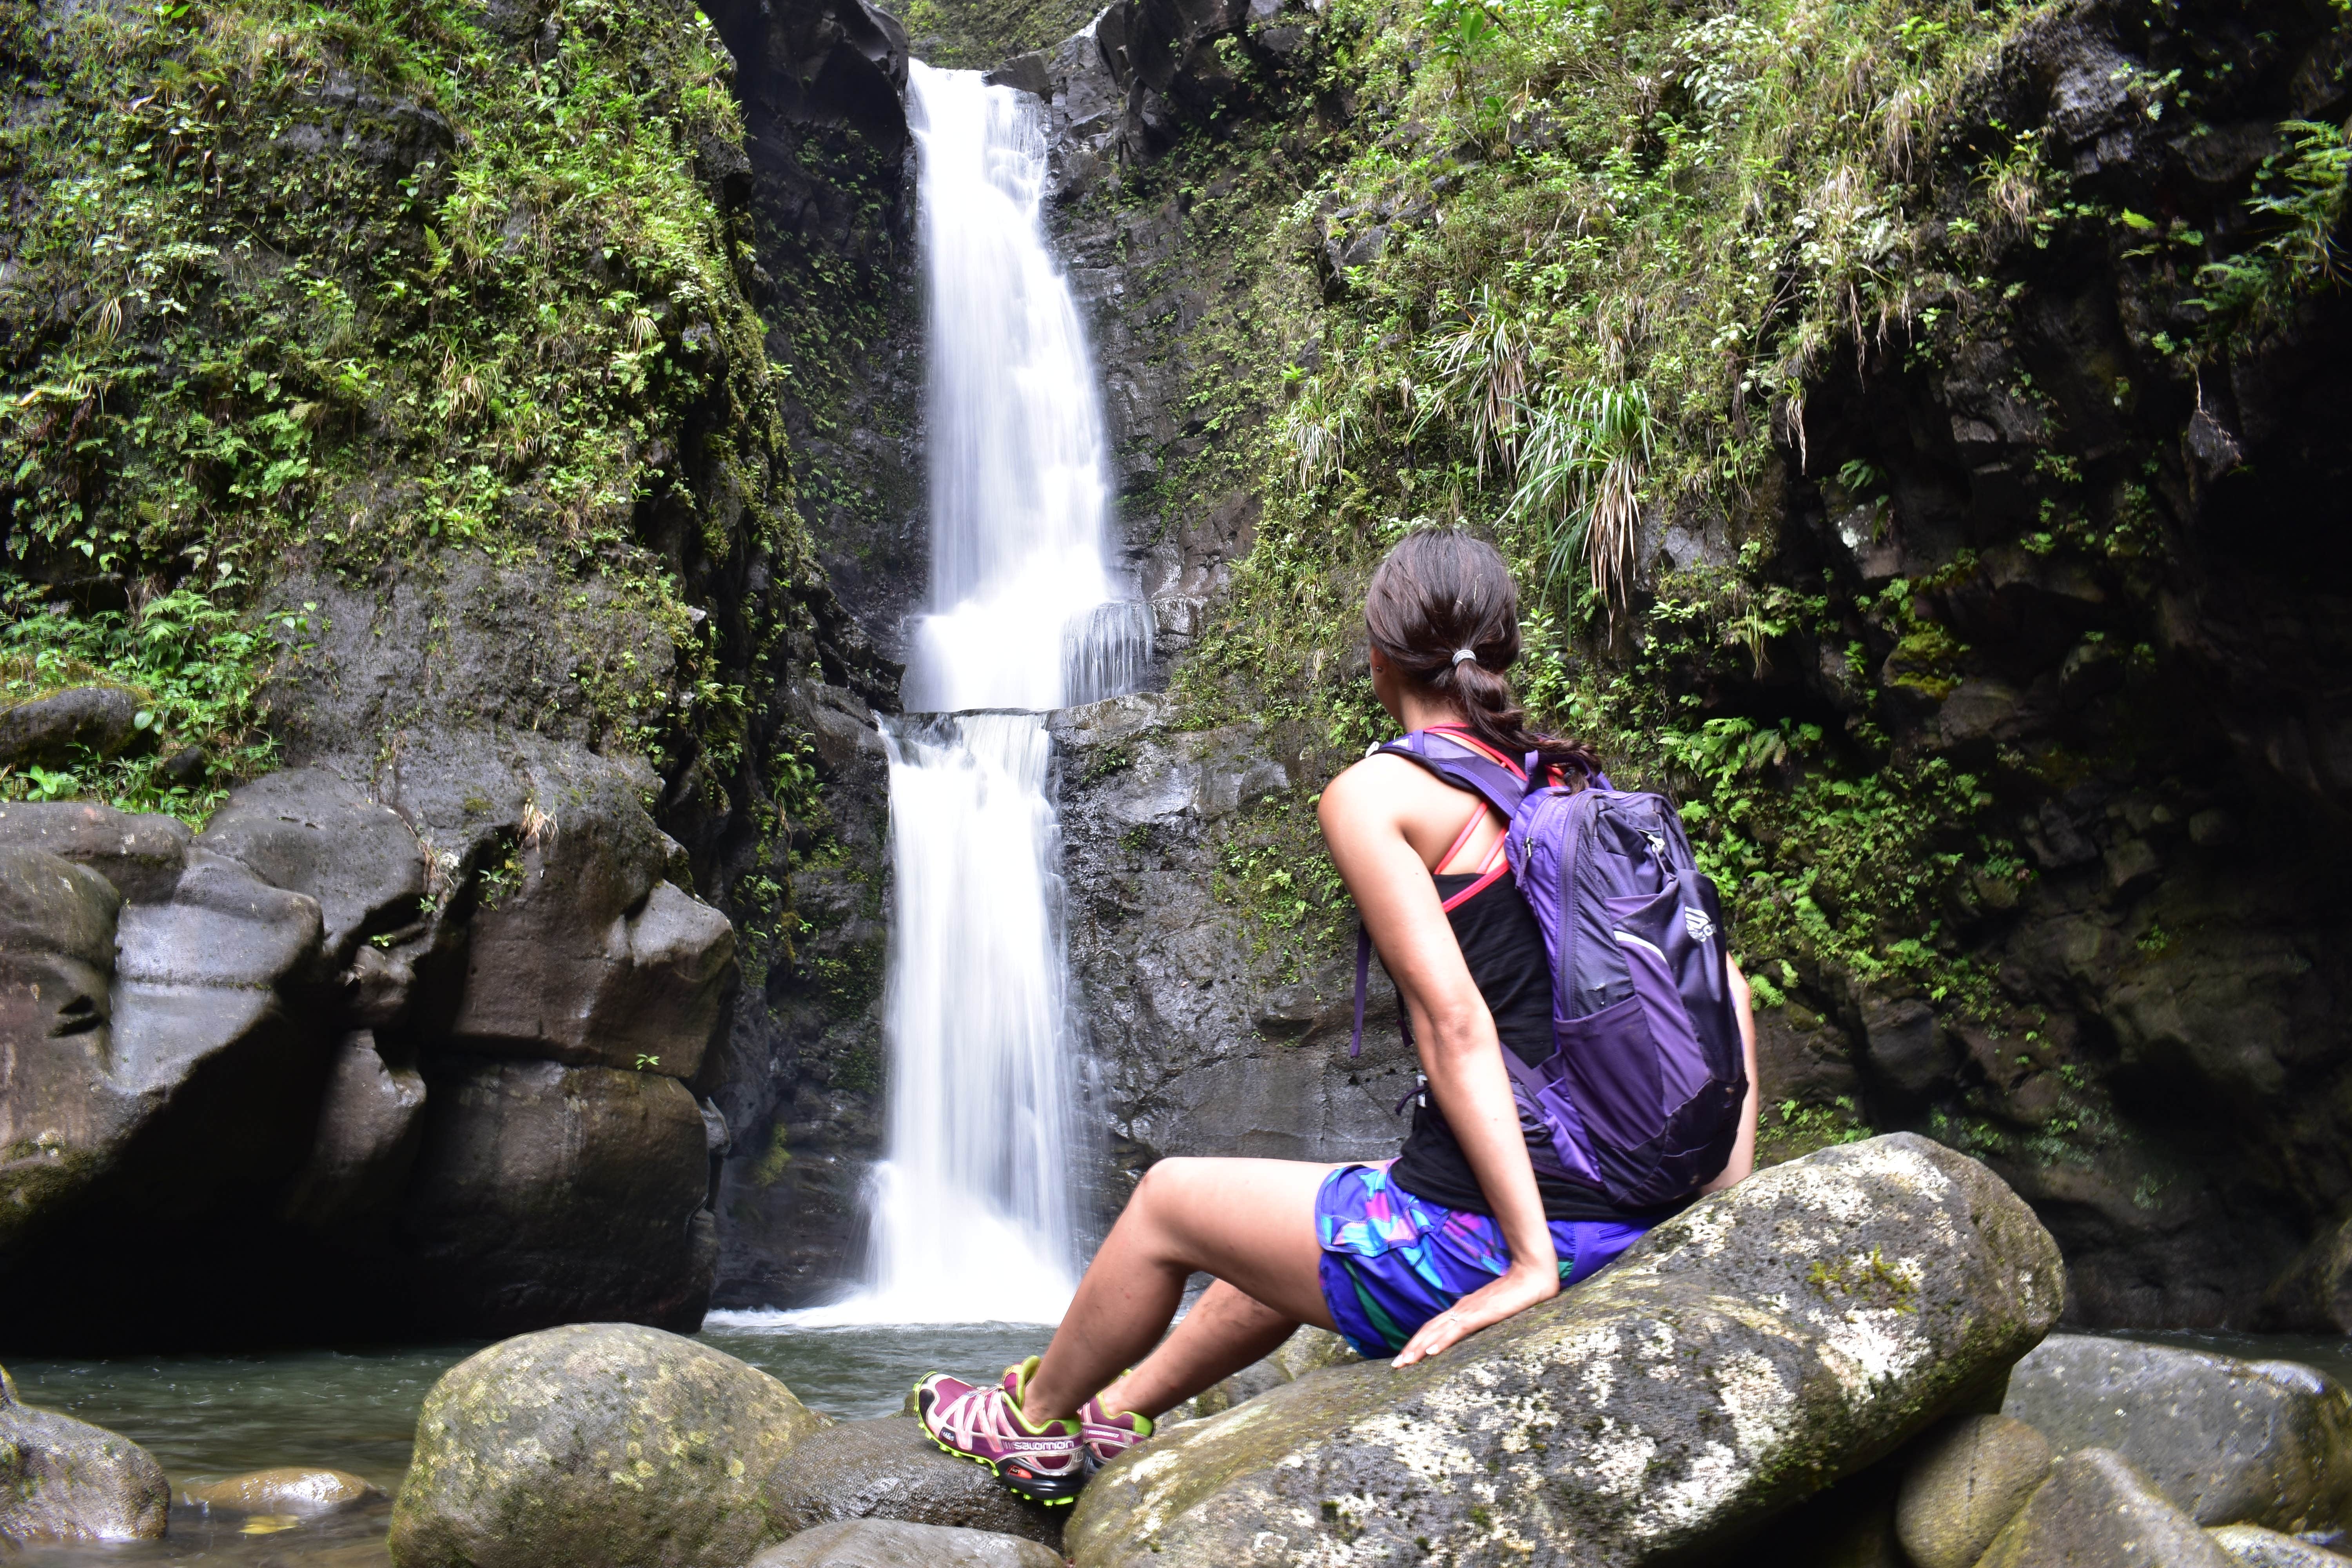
1503	948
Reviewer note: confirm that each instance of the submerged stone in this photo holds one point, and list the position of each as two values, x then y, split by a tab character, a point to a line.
287	1489
1743	1356
603	1443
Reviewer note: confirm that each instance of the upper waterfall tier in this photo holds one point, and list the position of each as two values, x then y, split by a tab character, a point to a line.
1023	611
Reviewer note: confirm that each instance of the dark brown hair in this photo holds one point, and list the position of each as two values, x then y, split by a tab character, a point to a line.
1438	591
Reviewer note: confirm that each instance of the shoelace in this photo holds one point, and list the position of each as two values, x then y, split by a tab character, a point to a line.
993	1419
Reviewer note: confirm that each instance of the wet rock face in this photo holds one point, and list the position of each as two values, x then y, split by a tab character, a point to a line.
2228	1441
63	1480
544	1193
603	1443
1200	1048
51	729
416	1027
1744	1354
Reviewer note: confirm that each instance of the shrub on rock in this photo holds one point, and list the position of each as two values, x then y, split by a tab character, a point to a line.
63	1480
602	1442
2228	1441
1743	1356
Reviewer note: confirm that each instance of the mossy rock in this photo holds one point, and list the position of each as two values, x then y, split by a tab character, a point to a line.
601	1443
1743	1356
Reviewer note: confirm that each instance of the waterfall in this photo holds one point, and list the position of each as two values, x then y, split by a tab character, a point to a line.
971	1208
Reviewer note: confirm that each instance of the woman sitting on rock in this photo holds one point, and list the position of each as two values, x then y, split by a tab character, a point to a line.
1407	1256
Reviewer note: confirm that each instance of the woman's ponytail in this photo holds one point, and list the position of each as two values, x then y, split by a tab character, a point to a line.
1439	594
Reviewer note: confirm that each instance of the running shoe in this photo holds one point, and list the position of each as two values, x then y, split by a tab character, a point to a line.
1046	1463
1106	1436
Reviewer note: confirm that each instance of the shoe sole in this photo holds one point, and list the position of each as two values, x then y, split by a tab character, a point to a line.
1016	1488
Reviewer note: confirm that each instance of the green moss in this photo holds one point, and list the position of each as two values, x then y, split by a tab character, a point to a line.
347	284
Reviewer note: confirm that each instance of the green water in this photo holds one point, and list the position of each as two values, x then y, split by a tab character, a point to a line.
204	1418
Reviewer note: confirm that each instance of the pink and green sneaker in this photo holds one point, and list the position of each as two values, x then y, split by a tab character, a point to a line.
1046	1463
1106	1436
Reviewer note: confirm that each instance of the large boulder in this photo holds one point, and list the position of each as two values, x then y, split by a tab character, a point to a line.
2097	1511
582	949
544	1193
63	1480
142	855
2228	1441
309	831
100	719
149	1049
891	1543
888	1469
1744	1355
602	1442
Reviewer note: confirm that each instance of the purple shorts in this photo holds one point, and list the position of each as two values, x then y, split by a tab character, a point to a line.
1392	1261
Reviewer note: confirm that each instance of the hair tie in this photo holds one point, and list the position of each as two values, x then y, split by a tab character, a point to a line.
1462	652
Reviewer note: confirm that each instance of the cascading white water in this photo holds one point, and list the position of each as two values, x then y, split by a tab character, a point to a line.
971	1210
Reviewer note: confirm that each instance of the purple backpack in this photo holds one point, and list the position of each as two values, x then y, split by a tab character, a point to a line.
1642	1094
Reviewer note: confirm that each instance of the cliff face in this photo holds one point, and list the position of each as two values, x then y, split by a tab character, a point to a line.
1986	630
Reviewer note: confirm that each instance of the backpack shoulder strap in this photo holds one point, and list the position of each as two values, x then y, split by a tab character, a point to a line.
1458	757
1461	760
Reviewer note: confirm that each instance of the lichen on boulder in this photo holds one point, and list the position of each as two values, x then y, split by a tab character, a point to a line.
601	1443
1743	1356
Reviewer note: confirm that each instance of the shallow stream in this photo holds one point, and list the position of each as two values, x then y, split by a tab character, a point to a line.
209	1416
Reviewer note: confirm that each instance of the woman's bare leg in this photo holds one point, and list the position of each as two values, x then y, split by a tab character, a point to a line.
1251	1223
1224	1331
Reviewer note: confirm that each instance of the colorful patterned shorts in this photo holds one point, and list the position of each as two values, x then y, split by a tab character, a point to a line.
1392	1261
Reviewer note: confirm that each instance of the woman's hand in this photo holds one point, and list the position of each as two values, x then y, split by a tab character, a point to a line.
1520	1287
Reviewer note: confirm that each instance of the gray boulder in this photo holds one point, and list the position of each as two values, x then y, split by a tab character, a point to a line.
2251	1546
602	1443
308	831
888	1469
1744	1354
63	1480
2097	1511
142	855
1964	1482
892	1543
2229	1441
582	949
57	955
102	718
543	1193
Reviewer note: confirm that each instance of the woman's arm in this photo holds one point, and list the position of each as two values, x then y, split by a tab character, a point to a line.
1743	1151
1459	1051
